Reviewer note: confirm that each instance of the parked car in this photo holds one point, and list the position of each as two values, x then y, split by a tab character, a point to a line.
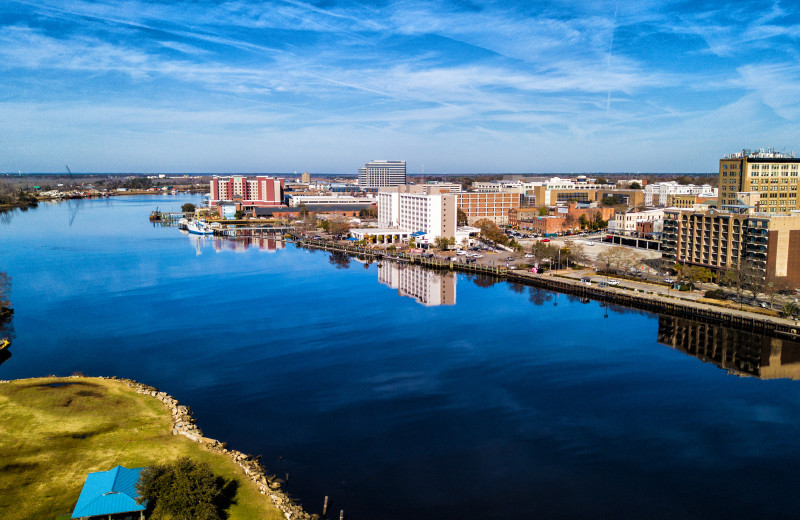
545	240
461	253
613	282
528	255
669	280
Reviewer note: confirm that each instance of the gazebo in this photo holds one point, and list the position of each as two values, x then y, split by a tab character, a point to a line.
110	495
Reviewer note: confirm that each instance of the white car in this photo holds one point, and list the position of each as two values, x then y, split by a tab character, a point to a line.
528	255
613	282
461	253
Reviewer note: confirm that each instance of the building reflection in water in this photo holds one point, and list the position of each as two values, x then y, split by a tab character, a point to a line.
739	352
241	245
428	287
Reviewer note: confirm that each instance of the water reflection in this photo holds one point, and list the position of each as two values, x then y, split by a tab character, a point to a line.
739	352
241	245
427	287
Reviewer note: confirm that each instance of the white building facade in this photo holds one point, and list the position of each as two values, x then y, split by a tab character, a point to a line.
657	194
378	174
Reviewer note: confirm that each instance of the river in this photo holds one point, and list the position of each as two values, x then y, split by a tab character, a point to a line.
403	393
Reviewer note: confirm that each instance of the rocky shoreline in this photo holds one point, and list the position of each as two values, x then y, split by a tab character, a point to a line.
184	424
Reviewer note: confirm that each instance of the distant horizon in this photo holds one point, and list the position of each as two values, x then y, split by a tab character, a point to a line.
448	86
355	175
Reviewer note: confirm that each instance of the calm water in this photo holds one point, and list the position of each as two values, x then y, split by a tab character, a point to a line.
403	394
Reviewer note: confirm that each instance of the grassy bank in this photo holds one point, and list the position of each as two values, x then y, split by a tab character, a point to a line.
53	431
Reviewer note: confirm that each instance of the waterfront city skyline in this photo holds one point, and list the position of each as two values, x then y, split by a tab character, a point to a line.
455	86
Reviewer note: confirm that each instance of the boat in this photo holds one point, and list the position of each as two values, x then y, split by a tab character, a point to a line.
198	227
4	344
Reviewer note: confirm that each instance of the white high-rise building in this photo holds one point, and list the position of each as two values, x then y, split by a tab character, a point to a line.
378	174
428	209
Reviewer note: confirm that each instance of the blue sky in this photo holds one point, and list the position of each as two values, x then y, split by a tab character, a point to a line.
456	86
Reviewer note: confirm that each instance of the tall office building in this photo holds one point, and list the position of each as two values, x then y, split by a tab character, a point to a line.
771	174
378	174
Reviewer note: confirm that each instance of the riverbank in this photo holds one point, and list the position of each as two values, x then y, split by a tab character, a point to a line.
55	430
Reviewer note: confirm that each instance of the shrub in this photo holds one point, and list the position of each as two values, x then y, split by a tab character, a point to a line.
717	294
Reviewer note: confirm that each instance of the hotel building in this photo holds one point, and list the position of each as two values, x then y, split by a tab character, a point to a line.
250	192
418	208
719	241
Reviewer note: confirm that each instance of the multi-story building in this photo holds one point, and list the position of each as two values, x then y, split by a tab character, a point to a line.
660	193
333	200
426	286
689	201
378	174
260	191
773	175
418	208
766	243
626	223
492	206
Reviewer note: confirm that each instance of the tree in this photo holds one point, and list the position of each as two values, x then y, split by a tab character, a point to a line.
181	490
338	227
188	208
574	253
601	180
544	211
138	183
746	278
617	258
690	274
569	222
789	310
597	221
443	243
635	186
461	217
491	231
584	222
368	213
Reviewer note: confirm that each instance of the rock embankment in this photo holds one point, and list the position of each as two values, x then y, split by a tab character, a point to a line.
184	424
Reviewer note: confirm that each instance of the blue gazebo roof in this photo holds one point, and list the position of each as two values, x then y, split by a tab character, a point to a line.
109	492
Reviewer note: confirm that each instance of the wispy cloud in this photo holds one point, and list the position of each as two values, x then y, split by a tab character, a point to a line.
511	73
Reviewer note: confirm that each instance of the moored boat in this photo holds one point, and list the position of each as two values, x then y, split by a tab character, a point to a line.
198	227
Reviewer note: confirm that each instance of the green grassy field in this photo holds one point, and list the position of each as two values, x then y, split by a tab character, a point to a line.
53	431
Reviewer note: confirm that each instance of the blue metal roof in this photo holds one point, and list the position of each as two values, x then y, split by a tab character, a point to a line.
109	492
417	233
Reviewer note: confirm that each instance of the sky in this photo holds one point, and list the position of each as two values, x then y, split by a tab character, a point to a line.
449	86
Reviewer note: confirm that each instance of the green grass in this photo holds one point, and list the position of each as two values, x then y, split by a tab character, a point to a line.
53	431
